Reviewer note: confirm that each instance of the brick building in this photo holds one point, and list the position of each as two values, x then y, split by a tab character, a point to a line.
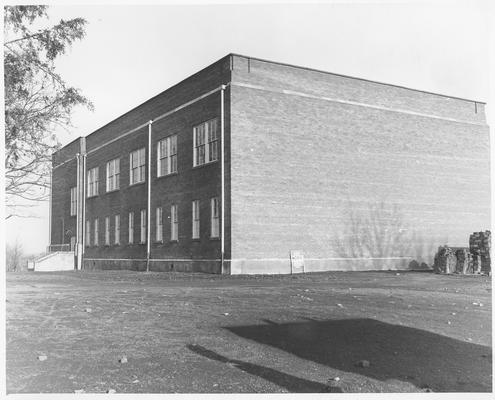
255	164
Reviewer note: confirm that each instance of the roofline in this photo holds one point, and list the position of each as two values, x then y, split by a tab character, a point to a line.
354	77
68	144
157	95
271	62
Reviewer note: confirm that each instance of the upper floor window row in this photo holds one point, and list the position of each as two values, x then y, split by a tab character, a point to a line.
205	150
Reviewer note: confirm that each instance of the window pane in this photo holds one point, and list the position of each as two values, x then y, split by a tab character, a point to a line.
213	151
173	145
173	164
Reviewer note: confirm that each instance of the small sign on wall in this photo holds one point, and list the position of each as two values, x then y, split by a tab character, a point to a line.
296	261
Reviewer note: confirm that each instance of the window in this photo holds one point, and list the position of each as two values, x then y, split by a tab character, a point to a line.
174	223
167	156
73	201
159	224
107	231
93	182
96	232
215	218
137	166
143	226
113	174
195	219
205	140
88	233
131	227
117	229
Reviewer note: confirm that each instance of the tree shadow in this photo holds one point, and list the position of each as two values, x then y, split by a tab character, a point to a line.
290	382
395	352
380	233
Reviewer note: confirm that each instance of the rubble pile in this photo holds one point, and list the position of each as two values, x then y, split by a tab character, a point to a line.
445	261
479	246
464	261
474	259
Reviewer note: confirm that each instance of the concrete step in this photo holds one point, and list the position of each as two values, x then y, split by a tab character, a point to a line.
58	261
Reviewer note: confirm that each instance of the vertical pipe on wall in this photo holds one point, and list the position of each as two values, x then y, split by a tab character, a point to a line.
148	212
83	209
50	210
78	209
222	173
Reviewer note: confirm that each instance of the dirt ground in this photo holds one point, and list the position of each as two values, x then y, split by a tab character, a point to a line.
191	333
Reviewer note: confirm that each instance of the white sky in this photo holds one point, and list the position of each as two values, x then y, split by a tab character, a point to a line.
131	53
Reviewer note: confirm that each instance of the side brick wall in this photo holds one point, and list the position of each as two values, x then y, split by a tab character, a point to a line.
353	187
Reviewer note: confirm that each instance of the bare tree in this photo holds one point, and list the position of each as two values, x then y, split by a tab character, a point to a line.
37	100
15	256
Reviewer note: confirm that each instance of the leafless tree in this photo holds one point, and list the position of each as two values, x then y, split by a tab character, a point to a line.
37	100
15	256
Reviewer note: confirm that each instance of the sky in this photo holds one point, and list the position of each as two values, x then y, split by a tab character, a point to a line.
131	53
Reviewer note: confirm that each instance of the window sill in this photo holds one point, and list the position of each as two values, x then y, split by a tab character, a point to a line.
215	238
205	164
91	197
196	240
137	183
174	241
158	242
112	191
167	175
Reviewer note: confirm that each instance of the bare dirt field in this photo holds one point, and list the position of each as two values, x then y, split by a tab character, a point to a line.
191	333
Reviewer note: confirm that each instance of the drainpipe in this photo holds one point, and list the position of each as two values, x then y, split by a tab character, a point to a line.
50	210
222	173
83	209
78	208
148	212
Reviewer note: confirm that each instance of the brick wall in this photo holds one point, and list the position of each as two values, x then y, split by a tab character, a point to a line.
203	81
199	183
63	179
332	178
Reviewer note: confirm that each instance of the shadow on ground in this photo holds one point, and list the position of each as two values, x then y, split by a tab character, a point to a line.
292	383
425	359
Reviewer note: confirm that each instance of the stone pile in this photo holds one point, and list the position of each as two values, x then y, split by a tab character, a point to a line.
464	260
479	246
445	261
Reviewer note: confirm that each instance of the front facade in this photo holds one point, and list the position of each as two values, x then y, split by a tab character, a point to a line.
248	160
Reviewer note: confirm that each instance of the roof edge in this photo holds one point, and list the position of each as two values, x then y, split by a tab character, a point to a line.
355	77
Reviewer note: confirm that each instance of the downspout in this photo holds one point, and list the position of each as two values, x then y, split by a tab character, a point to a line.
222	173
83	210
78	208
50	211
148	212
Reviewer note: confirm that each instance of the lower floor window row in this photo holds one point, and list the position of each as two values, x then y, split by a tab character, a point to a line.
112	226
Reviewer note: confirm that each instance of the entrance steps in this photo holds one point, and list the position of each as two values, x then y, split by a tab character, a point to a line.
57	261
